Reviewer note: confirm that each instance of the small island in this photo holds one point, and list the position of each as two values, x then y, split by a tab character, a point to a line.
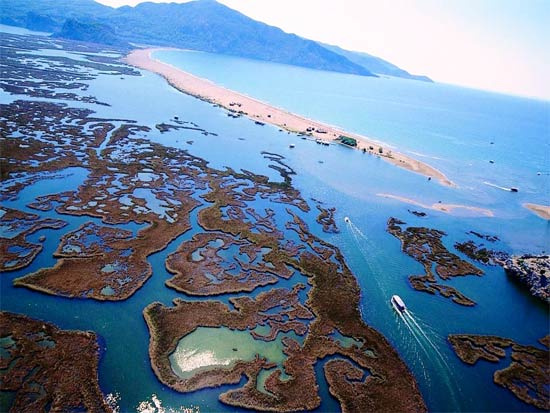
326	219
425	246
527	376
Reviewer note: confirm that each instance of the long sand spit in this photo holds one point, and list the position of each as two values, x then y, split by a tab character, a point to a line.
263	112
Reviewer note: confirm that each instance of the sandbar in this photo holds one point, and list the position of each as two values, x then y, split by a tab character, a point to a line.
447	208
265	113
542	211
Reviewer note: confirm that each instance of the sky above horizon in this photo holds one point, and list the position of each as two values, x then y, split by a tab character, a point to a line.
498	45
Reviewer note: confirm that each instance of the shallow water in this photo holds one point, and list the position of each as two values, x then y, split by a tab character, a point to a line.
224	348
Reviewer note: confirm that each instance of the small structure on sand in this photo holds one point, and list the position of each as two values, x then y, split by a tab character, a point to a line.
346	140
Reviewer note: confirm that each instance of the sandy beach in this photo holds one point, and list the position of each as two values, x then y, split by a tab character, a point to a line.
542	211
265	113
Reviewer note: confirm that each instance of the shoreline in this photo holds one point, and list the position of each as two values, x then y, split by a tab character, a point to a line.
259	111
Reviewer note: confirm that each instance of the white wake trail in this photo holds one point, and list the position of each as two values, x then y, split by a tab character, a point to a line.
418	334
430	342
367	247
497	186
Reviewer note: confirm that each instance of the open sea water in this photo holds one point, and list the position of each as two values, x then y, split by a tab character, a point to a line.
449	127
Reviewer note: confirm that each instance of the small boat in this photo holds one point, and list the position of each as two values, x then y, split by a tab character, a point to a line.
398	303
513	189
259	123
291	146
346	220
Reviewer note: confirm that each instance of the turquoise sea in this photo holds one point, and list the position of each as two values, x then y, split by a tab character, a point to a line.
449	127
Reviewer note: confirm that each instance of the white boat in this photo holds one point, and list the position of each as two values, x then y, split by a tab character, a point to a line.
398	303
346	219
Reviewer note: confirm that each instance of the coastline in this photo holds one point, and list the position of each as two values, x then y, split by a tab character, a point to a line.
543	211
263	112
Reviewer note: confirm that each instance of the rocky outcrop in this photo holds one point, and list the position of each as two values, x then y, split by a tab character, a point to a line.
481	254
533	270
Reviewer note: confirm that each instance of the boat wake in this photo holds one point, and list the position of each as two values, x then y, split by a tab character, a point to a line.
424	338
500	187
367	249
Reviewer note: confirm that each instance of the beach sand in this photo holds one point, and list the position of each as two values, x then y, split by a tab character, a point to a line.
265	113
542	211
447	208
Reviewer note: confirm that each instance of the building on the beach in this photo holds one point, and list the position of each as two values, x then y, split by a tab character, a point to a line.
346	140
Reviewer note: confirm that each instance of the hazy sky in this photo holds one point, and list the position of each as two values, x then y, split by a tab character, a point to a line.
501	45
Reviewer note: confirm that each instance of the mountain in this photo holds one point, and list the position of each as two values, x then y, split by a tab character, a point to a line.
204	25
14	12
201	25
38	22
374	64
212	27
